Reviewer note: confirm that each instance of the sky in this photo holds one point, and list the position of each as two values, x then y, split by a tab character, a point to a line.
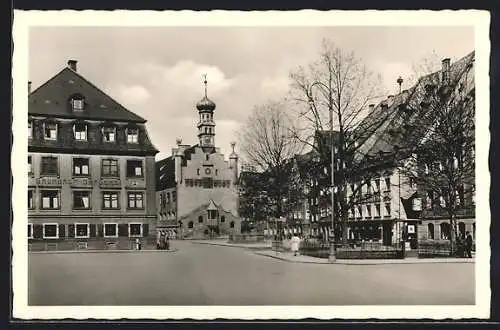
156	72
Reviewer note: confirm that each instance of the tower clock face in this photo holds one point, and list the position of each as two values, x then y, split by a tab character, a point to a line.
207	140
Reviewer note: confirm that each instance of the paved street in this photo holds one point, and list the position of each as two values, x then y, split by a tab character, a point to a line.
216	275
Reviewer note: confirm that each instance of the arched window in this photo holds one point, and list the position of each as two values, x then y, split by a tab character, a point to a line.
445	230
222	219
430	231
198	171
190	224
180	224
200	219
207	157
461	230
231	224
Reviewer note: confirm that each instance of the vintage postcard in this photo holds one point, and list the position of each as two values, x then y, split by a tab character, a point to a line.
251	165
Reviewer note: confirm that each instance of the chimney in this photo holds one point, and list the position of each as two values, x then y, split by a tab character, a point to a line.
371	107
29	87
72	64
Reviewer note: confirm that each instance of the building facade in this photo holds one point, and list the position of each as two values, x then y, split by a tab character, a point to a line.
196	186
91	166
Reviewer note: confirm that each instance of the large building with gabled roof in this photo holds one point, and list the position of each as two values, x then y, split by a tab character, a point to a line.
196	187
91	167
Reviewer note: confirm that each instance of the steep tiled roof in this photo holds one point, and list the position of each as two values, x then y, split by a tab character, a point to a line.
403	117
52	99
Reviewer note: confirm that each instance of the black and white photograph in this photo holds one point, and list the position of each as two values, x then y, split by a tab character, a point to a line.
250	166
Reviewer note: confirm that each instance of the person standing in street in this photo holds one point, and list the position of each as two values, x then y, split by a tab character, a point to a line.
294	244
468	245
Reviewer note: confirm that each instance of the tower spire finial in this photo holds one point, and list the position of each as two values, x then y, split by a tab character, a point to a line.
205	83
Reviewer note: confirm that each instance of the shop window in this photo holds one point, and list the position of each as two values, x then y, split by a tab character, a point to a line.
135	229
109	168
134	168
49	166
81	166
50	199
50	230
82	230
81	199
110	230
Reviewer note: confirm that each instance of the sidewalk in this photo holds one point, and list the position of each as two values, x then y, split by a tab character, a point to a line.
288	256
254	246
105	251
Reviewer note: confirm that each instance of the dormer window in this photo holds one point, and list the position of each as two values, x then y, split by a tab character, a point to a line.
109	134
50	131
80	131
132	135
77	102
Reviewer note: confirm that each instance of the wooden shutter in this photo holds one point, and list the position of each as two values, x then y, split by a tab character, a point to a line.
123	230
92	230
62	231
71	231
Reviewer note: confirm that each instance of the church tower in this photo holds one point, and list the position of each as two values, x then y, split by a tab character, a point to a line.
206	124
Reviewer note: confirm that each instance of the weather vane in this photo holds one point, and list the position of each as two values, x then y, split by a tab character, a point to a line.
205	82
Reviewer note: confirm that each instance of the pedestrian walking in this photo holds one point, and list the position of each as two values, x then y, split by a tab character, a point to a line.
167	242
468	245
294	244
158	238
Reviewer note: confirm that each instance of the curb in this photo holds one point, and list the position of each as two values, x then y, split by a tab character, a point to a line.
233	246
103	251
344	262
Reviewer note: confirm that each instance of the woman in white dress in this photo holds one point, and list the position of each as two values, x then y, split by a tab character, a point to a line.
294	244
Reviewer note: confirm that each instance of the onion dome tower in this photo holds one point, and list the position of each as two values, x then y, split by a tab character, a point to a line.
206	124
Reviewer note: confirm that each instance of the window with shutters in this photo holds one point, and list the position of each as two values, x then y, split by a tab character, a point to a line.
110	230
110	200
134	168
81	199
50	199
82	230
50	230
135	229
81	166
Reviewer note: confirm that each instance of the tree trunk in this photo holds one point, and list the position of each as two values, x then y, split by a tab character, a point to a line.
453	235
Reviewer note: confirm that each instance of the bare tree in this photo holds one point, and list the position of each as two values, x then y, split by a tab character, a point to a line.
333	95
267	144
